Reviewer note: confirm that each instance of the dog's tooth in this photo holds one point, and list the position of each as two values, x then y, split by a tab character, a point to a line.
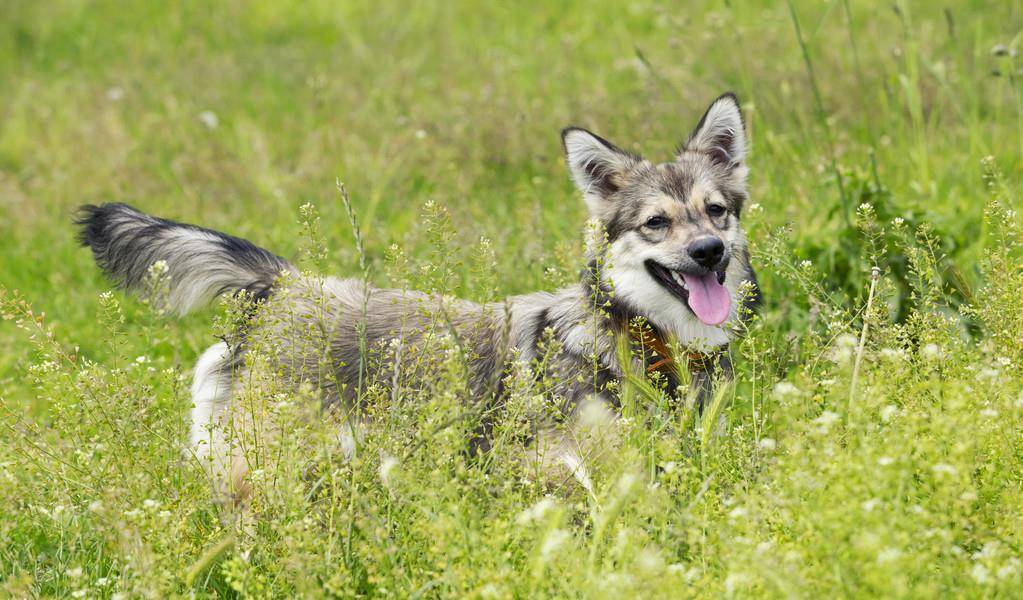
678	278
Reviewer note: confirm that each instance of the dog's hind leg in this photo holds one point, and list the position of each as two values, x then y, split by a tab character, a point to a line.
212	385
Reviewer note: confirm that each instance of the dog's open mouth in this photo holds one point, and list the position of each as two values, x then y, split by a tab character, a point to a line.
705	295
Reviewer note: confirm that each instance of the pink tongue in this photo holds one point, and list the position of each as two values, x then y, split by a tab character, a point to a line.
708	298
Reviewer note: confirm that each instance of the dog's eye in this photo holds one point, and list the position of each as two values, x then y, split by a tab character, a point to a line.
715	210
657	222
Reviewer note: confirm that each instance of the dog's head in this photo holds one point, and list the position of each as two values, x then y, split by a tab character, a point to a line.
676	252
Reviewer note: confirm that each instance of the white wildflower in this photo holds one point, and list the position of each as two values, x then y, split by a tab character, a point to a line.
893	354
1010	568
738	512
733	581
888	555
554	540
988	550
209	119
74	573
159	268
826	420
150	503
843	350
870	505
387	464
594	414
649	560
767	444
989	413
889	411
784	390
944	469
931	352
980	574
115	94
884	461
625	483
421	134
535	512
988	373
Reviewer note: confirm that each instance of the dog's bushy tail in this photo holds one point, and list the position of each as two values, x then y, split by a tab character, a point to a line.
200	264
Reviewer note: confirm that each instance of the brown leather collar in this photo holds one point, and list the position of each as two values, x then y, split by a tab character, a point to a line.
698	362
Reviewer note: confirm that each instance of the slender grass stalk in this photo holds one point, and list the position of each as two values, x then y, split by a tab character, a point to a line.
875	274
207	559
364	273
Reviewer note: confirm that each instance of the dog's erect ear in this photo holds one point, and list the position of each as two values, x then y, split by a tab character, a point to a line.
720	133
597	166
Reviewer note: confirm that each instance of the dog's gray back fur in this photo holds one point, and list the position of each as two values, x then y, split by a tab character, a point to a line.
405	323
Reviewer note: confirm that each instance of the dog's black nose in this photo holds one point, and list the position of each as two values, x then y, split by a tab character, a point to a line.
707	251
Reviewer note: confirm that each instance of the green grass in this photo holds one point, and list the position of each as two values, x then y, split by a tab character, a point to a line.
910	487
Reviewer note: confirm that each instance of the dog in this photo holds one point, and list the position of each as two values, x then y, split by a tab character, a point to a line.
672	269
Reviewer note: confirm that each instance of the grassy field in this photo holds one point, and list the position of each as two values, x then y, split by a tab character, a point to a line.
882	135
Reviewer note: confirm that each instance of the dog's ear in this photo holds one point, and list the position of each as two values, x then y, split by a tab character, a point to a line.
720	133
597	166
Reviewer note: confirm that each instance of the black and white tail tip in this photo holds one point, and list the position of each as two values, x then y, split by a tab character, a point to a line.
198	264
